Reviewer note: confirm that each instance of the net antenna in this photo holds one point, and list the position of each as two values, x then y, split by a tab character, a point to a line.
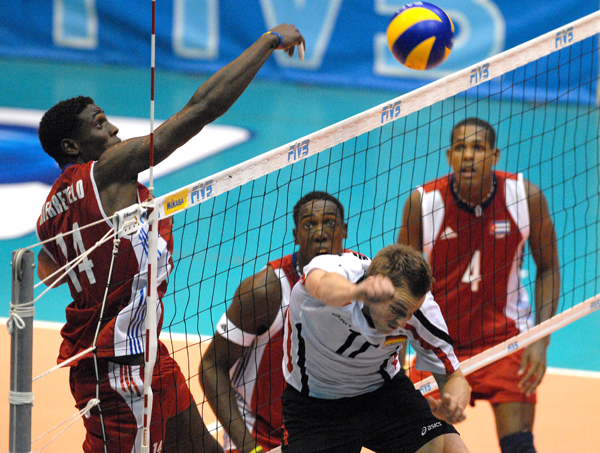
150	321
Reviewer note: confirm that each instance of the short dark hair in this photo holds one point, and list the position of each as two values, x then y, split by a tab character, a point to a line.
316	195
59	123
477	122
405	267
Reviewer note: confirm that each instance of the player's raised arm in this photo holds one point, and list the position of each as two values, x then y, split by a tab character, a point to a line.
211	100
335	290
410	232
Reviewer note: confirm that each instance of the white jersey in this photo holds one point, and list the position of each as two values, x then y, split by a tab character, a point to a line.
332	352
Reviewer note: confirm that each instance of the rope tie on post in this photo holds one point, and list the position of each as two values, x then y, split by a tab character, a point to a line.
20	398
16	315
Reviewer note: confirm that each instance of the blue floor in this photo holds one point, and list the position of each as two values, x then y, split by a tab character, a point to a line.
275	114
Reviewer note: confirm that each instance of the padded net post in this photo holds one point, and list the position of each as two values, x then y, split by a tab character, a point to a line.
21	359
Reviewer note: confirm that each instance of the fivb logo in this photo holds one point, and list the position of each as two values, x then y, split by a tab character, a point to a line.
479	74
298	150
563	37
201	191
425	389
390	112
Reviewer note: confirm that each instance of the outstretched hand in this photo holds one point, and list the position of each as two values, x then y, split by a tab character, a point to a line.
447	409
290	38
533	366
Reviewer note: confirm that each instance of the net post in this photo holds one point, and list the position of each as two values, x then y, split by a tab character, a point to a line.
20	326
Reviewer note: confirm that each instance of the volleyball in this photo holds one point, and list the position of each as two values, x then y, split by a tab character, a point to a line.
420	35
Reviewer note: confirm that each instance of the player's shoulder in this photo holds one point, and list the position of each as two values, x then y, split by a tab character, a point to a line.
531	189
429	304
506	175
429	317
358	255
349	263
78	170
437	184
283	262
69	175
258	280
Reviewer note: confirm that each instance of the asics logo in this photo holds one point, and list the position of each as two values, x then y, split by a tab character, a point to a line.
430	427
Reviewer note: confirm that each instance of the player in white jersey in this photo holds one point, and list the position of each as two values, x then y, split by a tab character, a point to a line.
242	363
347	320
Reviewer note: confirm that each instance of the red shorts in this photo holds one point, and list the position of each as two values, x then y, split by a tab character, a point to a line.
497	383
122	401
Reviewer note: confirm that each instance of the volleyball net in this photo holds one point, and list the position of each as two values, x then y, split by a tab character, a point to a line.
541	99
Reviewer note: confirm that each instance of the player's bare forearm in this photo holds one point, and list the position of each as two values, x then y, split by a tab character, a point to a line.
544	250
410	231
533	363
547	293
214	97
330	288
211	100
455	394
216	384
227	84
335	290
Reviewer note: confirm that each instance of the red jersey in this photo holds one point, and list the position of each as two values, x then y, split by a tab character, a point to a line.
257	377
476	259
74	203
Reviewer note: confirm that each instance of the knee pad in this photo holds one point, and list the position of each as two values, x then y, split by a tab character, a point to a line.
518	443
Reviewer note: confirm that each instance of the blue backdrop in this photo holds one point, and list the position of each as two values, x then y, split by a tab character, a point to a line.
346	42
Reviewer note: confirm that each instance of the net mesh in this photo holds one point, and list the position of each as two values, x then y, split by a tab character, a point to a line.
541	100
546	119
547	131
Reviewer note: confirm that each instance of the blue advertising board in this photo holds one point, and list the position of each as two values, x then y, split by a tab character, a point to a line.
345	39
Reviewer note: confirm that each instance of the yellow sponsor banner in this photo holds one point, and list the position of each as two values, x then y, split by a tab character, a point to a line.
176	202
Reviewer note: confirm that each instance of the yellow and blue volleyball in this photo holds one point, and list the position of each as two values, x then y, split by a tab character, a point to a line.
420	35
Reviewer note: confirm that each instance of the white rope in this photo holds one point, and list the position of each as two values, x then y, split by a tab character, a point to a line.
85	412
115	251
20	398
64	364
16	315
81	228
71	265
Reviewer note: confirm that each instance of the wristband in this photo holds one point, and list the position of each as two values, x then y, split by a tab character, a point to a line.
280	43
259	449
